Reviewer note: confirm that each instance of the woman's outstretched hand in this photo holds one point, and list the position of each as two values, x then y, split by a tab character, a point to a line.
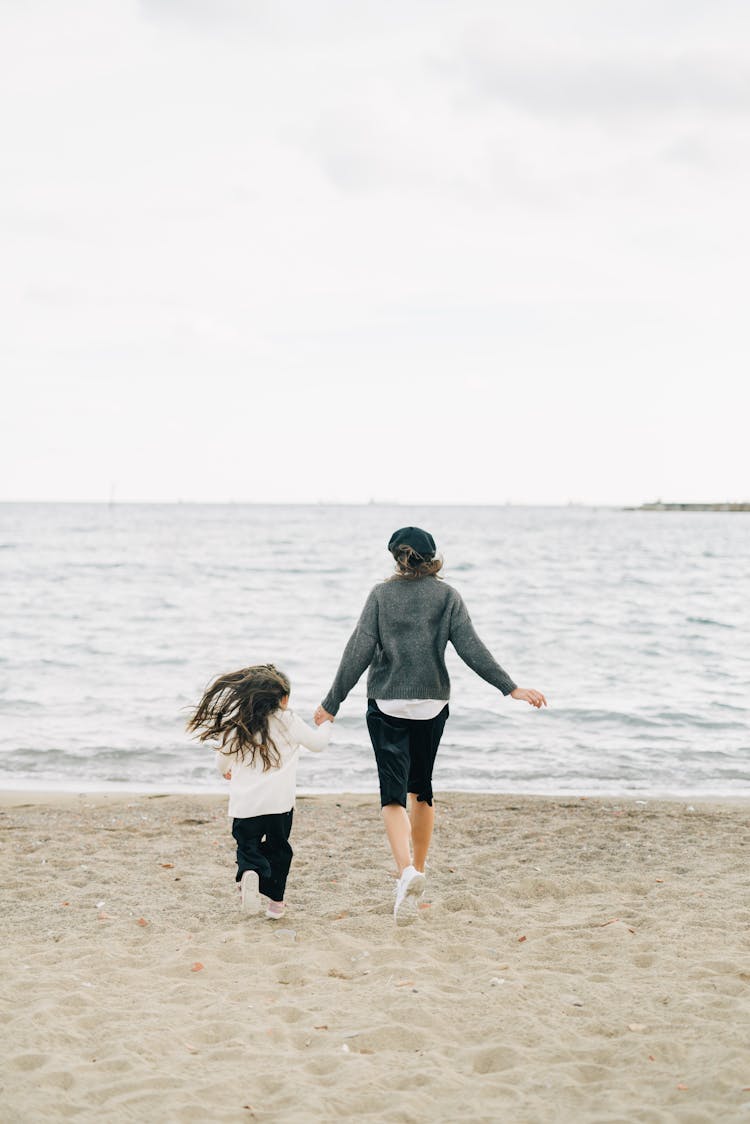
322	716
529	695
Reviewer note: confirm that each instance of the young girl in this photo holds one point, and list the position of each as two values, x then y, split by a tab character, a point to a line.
259	739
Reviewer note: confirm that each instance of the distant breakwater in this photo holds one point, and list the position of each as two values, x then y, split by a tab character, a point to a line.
659	506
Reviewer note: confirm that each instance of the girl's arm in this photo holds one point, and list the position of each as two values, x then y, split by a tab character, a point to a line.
224	763
313	738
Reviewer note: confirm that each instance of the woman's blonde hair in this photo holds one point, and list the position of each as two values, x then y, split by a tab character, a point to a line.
235	710
411	564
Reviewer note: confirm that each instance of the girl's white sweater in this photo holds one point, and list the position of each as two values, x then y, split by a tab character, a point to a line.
255	793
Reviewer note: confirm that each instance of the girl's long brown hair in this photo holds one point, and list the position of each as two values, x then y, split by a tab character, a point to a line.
235	711
411	564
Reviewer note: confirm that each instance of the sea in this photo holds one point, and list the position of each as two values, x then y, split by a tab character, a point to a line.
634	624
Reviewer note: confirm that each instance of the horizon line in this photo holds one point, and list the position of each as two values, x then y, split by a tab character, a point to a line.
353	503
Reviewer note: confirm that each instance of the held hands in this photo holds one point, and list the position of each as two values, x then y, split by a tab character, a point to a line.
228	775
529	695
524	694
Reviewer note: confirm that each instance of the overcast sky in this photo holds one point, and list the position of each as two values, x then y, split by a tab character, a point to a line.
294	250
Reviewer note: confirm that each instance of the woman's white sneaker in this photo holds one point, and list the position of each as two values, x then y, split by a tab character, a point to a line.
409	886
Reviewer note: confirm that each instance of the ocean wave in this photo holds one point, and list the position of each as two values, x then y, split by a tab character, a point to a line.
21	705
699	722
605	717
709	621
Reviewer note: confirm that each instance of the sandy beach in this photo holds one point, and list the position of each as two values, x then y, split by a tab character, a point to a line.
574	959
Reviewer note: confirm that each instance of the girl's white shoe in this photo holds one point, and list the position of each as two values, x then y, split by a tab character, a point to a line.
249	894
275	910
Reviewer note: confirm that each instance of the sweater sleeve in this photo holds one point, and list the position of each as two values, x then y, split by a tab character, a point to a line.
357	656
314	738
473	652
225	761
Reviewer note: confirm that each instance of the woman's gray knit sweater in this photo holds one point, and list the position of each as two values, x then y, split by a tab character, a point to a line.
402	635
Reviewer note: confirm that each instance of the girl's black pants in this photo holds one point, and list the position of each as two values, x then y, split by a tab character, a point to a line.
263	845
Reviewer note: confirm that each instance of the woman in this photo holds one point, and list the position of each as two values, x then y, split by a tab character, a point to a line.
401	636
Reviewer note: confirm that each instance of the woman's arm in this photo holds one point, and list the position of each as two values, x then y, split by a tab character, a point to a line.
356	659
474	652
478	657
